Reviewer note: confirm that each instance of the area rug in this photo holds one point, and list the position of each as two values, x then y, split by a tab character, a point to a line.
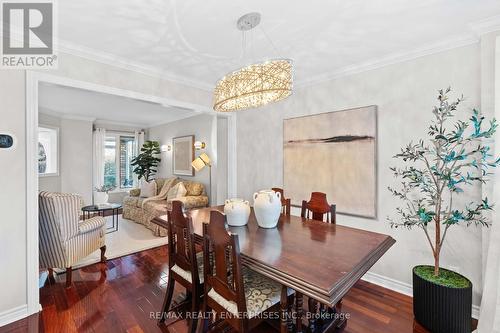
131	237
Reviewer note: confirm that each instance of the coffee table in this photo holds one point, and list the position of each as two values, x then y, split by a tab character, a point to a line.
102	210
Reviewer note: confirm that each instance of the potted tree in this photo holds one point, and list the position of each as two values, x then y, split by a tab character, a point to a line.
146	162
435	171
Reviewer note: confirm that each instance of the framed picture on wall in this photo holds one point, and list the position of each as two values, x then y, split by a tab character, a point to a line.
48	151
183	155
334	153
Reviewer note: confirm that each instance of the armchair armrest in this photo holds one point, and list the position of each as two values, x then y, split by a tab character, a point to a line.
91	224
135	192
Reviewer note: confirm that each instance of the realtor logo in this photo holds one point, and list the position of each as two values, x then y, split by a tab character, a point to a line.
28	35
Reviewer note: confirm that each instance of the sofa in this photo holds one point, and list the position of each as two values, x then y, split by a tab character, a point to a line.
136	210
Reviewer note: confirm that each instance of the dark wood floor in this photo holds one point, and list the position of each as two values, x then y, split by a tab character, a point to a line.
120	295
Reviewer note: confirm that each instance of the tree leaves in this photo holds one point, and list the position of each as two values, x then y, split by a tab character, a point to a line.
442	167
146	162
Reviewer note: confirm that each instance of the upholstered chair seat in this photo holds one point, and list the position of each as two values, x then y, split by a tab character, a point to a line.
261	293
187	274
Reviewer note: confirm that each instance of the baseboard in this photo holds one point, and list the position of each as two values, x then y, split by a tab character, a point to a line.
401	287
11	315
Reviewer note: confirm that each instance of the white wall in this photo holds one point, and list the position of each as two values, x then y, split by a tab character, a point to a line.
404	94
13	194
50	183
222	160
76	158
13	162
201	126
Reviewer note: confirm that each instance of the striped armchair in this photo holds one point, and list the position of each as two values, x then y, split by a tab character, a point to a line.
63	238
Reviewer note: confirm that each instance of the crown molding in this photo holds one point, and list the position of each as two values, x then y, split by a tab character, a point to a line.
391	59
116	61
108	122
477	29
52	113
486	26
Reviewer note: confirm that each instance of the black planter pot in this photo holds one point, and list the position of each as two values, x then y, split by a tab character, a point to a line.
442	309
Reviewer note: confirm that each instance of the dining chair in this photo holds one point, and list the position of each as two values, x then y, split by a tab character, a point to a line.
63	238
285	203
185	266
317	207
237	295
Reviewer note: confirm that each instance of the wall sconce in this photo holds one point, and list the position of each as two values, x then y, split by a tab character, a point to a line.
198	145
165	148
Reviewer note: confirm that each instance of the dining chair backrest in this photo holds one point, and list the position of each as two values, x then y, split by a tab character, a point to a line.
285	203
317	207
181	241
221	254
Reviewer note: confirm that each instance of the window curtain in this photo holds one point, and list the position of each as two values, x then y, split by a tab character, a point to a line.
139	141
489	316
98	152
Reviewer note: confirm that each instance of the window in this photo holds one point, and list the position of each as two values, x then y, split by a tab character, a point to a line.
48	151
118	154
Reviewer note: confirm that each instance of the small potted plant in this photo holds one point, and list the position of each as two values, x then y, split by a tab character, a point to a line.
435	172
101	195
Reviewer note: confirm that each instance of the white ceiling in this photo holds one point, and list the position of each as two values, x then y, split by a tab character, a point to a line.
75	102
198	41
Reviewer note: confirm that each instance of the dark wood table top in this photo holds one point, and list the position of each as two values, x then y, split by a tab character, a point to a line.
318	259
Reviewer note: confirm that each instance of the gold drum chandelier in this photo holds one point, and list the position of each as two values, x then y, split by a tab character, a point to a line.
254	85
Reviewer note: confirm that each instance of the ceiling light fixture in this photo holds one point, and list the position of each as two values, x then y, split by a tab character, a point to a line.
254	85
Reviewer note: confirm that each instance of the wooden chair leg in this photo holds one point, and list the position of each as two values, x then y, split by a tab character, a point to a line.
167	300
313	308
284	310
195	309
204	322
69	272
103	252
299	299
291	302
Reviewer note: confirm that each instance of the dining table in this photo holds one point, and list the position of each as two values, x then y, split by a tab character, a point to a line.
314	258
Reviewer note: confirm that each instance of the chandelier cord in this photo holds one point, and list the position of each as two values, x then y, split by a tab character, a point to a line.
275	49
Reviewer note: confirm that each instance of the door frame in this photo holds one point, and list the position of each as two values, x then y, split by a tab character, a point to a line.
33	79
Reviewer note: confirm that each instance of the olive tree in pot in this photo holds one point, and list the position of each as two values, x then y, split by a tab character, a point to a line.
435	172
147	161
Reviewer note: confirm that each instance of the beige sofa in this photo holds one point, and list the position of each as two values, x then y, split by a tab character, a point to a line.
133	208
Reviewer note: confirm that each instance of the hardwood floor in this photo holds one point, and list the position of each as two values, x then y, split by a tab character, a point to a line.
119	296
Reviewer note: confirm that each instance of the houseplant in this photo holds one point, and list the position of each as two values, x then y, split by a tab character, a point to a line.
146	162
435	172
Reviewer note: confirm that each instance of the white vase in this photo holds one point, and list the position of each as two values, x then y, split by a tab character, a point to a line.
100	198
267	207
237	212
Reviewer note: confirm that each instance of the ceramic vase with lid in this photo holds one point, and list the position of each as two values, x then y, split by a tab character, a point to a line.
267	207
237	212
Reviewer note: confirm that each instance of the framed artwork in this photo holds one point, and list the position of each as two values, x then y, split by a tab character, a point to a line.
48	151
183	155
334	153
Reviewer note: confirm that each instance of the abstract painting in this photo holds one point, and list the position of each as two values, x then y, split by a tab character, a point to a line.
183	155
334	153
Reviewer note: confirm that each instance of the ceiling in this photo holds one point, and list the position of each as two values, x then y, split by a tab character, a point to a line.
198	40
75	102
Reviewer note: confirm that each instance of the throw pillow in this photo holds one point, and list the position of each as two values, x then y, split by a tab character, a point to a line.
177	191
148	190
